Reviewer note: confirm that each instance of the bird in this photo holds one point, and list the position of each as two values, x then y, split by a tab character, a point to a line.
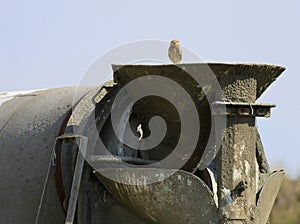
175	52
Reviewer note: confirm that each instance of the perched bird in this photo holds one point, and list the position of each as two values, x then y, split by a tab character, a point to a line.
175	53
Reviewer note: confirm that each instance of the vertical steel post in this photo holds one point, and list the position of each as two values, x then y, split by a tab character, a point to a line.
236	160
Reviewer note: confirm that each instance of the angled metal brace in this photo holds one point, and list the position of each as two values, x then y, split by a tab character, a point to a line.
82	143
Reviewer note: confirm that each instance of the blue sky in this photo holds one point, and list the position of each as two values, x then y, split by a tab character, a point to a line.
46	44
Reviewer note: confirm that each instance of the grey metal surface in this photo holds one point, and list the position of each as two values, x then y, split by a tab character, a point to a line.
239	81
82	142
267	197
180	198
95	204
29	125
265	74
241	84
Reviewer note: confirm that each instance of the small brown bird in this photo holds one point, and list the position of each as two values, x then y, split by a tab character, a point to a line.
175	53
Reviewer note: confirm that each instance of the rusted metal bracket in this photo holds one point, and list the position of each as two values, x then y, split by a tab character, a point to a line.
54	164
242	109
82	143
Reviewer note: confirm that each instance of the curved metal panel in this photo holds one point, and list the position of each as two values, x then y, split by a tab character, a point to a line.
180	198
29	124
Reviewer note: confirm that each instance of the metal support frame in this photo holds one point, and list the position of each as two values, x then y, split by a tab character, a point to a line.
237	190
82	143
